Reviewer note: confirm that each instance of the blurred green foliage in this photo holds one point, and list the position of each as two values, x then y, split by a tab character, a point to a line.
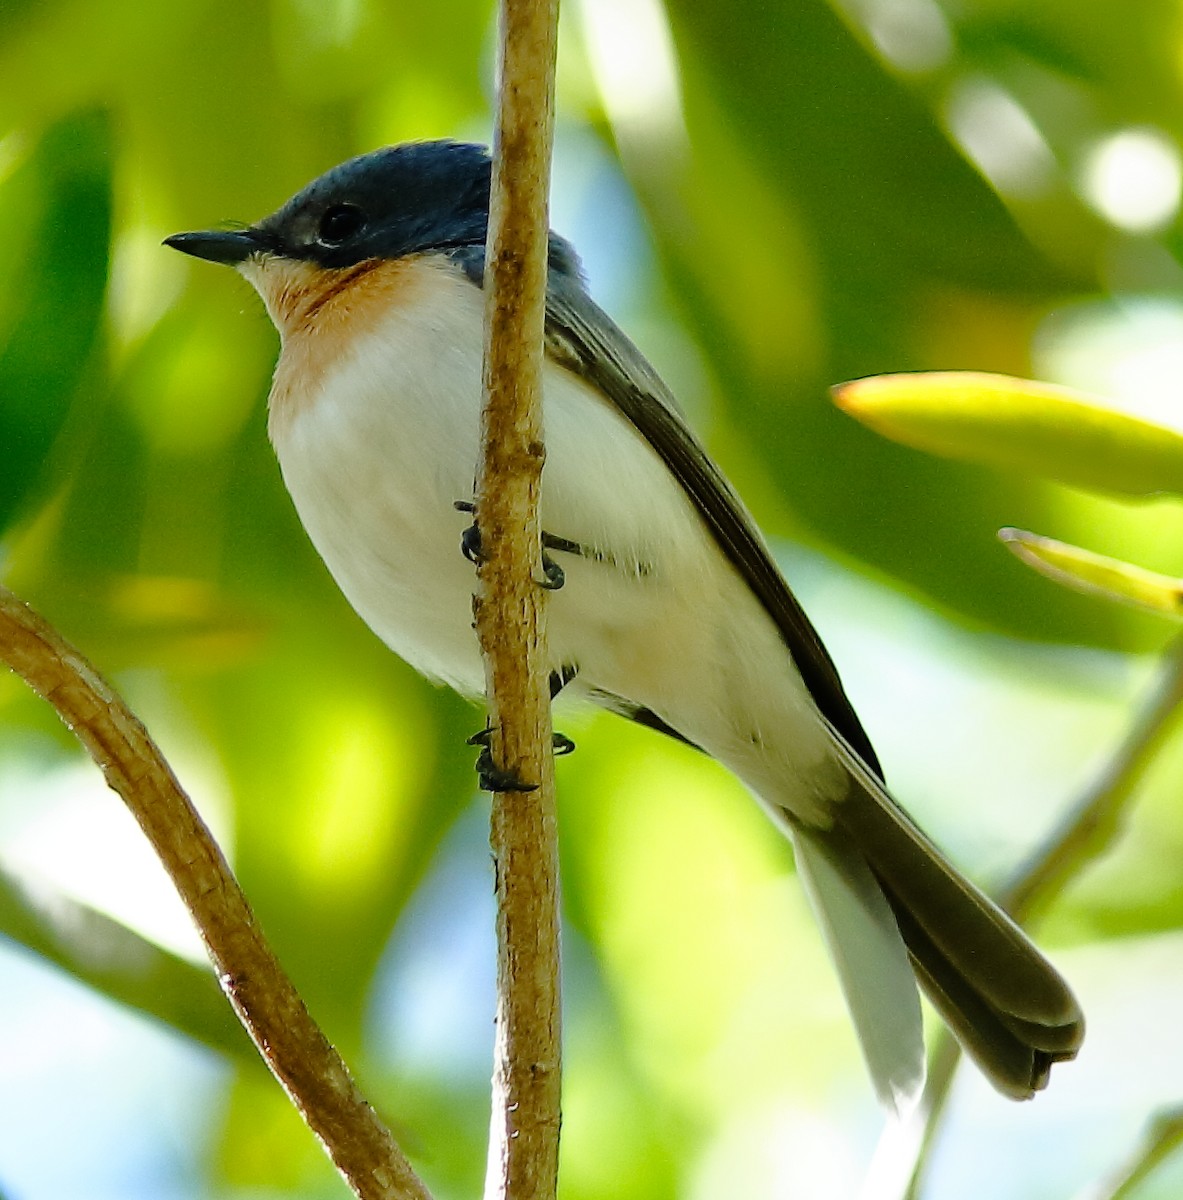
58	204
795	194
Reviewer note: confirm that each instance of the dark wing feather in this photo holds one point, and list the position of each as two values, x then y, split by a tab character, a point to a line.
582	338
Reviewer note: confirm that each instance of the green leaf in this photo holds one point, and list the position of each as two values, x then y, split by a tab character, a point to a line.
860	152
1097	574
47	341
1035	428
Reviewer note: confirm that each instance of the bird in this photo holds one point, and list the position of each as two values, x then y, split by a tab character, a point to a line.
672	611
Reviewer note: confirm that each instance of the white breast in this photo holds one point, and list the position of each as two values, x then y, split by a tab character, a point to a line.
376	458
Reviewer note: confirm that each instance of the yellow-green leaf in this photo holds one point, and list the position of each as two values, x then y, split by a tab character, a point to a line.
1018	424
1097	574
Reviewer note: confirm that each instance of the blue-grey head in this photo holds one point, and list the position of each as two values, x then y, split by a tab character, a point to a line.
400	200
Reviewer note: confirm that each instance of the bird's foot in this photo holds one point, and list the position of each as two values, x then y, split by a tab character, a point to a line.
553	575
470	539
492	778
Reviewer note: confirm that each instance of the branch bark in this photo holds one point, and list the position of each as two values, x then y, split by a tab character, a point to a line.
510	617
267	1003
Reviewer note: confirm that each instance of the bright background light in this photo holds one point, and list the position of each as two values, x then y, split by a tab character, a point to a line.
1133	179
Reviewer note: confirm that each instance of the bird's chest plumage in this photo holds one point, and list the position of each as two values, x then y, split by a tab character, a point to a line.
376	443
375	417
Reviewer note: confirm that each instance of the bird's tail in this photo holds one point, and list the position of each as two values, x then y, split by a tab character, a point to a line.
1006	1004
872	962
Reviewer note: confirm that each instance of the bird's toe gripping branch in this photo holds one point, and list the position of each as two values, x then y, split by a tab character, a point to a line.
470	539
553	575
492	778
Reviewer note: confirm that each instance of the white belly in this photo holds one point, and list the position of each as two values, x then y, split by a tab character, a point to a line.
375	462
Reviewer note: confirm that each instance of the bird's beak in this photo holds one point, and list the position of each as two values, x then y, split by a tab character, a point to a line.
228	246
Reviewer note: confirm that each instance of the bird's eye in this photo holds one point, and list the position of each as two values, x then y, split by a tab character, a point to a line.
339	224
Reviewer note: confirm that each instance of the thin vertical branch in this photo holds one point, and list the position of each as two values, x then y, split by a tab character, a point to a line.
266	1000
510	617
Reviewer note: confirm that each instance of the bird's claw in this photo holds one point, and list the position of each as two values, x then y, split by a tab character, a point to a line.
492	778
553	576
470	539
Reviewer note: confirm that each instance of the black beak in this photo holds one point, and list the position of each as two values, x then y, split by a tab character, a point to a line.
229	246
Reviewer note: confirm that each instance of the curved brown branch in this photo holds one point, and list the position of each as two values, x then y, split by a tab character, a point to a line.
298	1054
510	617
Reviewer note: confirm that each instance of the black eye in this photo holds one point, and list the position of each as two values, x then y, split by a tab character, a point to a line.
339	224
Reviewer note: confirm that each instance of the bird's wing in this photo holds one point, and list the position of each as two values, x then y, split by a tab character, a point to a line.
583	339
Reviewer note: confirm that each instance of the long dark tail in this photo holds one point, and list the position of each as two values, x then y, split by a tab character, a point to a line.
1006	1004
